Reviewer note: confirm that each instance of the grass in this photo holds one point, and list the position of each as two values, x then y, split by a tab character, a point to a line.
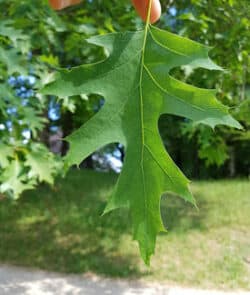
61	230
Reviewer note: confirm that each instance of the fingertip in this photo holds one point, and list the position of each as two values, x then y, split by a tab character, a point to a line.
141	6
155	11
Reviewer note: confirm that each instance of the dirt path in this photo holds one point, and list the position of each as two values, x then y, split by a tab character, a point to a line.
19	281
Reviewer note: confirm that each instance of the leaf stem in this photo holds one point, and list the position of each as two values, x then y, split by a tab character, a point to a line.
146	27
142	65
149	12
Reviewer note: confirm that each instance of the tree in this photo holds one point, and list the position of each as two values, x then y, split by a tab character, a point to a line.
224	25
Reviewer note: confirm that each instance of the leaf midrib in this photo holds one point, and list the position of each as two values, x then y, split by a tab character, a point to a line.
142	119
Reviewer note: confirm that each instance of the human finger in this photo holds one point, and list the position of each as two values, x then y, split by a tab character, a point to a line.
141	7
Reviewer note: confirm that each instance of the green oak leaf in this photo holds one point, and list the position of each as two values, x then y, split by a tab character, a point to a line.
137	87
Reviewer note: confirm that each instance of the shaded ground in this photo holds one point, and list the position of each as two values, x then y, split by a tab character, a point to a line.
19	281
61	230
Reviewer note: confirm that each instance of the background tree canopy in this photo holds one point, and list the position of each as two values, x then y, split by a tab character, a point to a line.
34	39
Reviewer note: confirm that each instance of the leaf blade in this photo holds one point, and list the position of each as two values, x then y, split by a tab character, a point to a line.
137	87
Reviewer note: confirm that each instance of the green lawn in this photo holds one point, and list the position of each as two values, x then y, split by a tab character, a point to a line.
61	229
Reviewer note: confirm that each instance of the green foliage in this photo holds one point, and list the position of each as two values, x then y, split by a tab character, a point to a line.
138	88
14	181
225	25
43	165
24	163
211	146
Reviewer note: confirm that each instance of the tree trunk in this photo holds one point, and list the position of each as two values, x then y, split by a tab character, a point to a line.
232	168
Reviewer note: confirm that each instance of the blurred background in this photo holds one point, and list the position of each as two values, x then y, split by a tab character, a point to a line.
54	223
